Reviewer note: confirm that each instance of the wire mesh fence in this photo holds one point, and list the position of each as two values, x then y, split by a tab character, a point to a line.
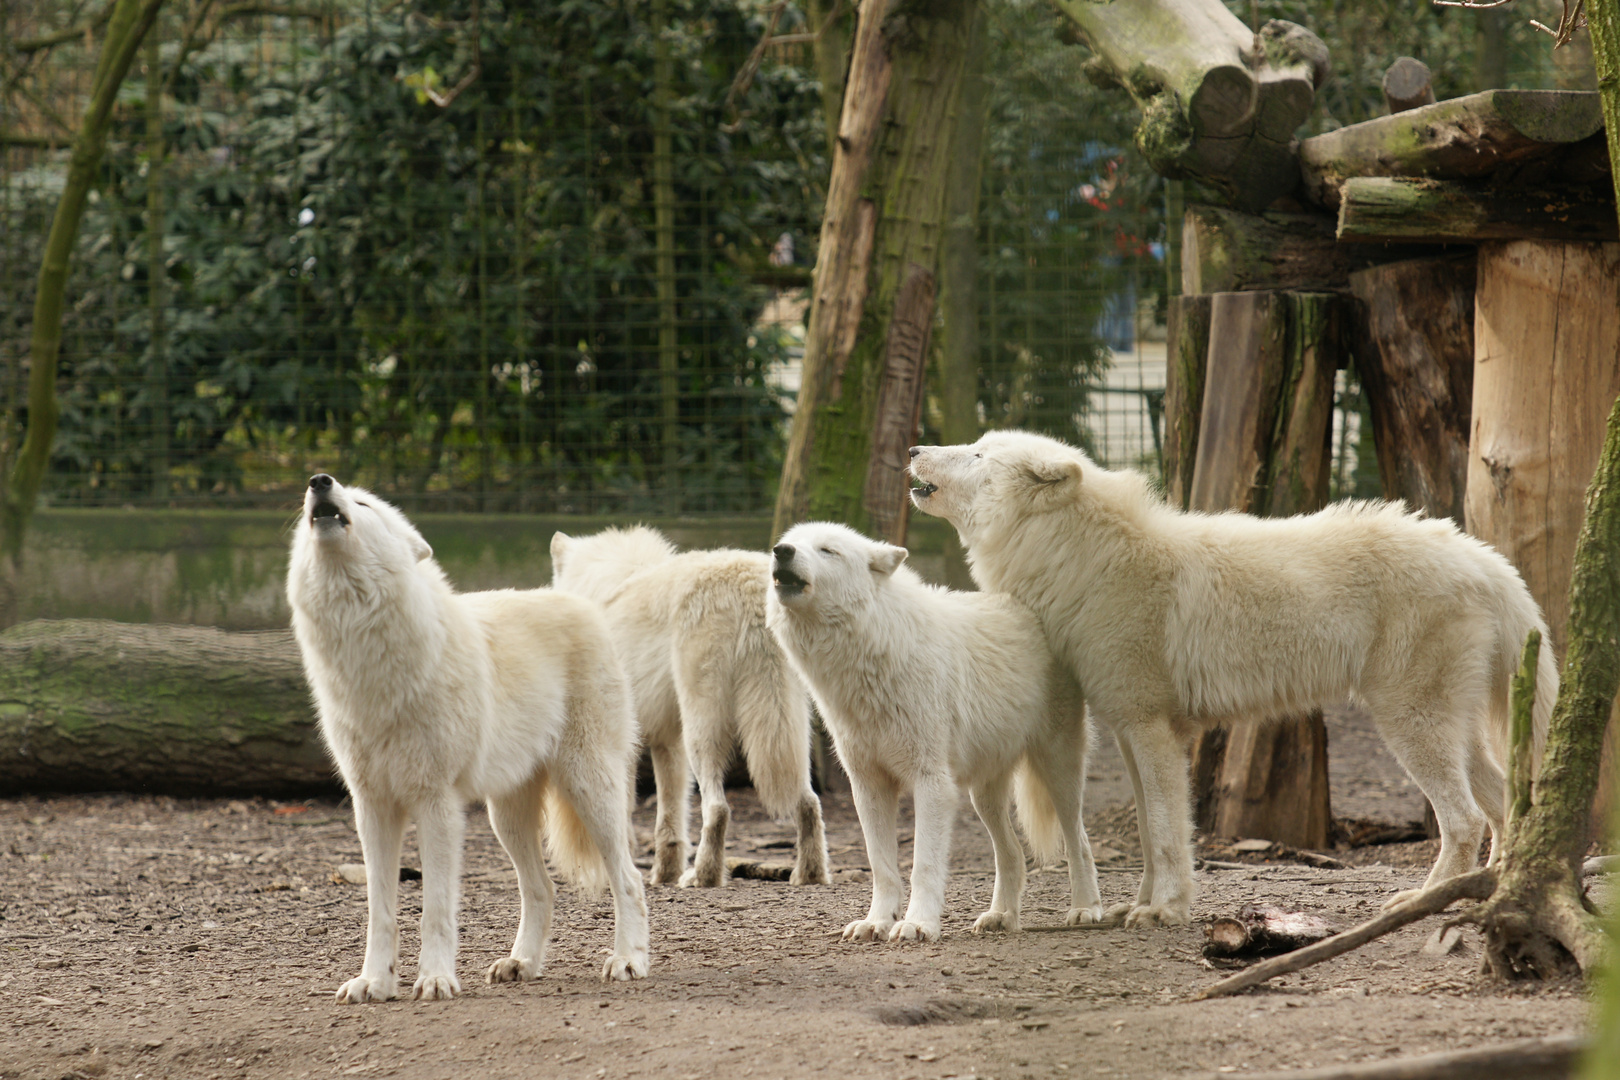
547	258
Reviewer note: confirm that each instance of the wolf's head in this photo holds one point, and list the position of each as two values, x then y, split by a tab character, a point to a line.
595	566
350	525
819	566
975	484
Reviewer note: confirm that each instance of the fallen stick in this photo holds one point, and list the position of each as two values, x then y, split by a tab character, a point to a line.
1475	886
1112	924
754	870
1554	1056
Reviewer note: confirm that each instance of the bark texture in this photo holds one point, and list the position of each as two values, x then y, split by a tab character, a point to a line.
1224	250
879	255
1187	335
1219	102
87	705
1415	356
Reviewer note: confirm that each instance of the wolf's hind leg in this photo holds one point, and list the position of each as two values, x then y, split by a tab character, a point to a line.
516	821
439	828
992	801
1063	773
708	748
600	797
670	845
381	825
1435	752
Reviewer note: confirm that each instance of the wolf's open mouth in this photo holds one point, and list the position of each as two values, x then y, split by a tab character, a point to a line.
327	510
922	488
786	581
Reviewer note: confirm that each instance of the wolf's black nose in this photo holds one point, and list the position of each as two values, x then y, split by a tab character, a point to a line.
320	483
783	552
914	451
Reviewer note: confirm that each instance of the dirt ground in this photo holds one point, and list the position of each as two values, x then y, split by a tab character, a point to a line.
154	937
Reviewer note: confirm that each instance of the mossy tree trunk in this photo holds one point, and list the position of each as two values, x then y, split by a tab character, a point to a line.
875	286
20	480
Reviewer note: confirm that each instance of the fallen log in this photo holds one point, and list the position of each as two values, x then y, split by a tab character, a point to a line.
1473	886
1384	208
1551	1057
1461	139
1263	931
90	705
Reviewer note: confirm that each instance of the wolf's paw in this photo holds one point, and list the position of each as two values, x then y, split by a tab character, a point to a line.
707	878
436	988
867	930
993	921
1083	916
625	968
362	988
907	930
810	875
1142	915
513	969
1400	898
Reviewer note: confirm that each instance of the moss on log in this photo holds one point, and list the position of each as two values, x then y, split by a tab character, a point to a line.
87	705
1214	108
1386	208
1225	250
1497	133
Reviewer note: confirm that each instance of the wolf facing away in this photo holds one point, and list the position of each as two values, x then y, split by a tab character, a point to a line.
430	699
1177	621
929	690
706	676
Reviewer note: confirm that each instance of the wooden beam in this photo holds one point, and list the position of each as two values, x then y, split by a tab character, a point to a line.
1226	250
1461	139
1384	208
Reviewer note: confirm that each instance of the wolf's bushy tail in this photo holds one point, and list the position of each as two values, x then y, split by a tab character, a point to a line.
1511	634
1037	815
573	854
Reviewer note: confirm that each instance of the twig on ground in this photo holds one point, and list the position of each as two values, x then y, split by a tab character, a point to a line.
1476	886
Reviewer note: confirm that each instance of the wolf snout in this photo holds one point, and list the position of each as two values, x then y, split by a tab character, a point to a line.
783	553
321	484
788	583
914	451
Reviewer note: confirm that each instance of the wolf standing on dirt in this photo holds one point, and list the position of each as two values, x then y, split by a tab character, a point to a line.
706	675
929	689
1177	621
431	699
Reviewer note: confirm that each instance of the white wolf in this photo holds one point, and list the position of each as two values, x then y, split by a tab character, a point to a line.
429	700
928	689
706	675
1176	621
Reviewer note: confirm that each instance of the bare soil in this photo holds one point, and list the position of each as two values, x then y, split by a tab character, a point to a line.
153	937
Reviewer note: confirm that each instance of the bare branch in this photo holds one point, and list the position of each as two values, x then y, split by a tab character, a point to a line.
41	142
750	68
48	41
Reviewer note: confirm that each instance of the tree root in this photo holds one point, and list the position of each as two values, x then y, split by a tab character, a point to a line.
1538	933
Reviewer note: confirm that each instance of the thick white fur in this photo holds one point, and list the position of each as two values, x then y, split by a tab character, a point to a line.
706	676
929	690
429	700
1176	621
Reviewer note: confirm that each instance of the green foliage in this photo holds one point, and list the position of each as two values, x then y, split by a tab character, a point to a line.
439	300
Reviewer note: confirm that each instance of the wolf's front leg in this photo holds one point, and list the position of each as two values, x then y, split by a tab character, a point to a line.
439	827
935	799
877	804
381	826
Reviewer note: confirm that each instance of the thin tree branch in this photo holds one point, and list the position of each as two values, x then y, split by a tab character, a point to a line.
59	37
750	68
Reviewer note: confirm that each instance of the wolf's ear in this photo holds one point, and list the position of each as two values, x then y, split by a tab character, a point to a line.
559	548
886	558
1052	476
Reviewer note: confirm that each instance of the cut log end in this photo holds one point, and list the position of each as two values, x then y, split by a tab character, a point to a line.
1407	85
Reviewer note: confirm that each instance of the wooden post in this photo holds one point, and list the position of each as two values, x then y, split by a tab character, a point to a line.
1407	84
1262	448
1187	333
1546	371
1415	357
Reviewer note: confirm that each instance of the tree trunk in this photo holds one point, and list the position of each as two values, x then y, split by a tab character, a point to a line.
1387	208
129	23
874	290
1415	357
959	278
181	710
1220	101
1263	448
